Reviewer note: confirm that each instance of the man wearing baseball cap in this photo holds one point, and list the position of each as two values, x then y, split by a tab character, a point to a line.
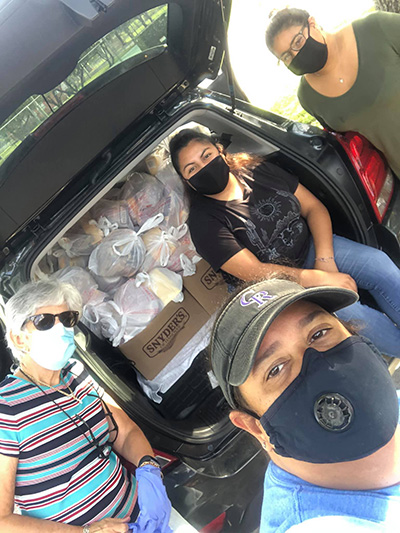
320	401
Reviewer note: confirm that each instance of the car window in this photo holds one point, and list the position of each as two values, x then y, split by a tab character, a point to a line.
140	34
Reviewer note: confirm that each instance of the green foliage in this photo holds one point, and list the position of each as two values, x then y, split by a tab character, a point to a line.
288	106
388	5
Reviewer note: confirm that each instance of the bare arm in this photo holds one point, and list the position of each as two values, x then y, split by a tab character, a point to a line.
131	442
245	265
319	222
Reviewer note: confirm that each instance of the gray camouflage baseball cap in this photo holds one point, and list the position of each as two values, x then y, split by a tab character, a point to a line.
243	323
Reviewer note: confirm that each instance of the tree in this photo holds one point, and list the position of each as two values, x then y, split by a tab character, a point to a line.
388	5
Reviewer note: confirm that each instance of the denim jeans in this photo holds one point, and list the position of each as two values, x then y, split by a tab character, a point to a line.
374	271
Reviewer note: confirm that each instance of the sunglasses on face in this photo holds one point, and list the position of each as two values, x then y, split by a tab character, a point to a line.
45	321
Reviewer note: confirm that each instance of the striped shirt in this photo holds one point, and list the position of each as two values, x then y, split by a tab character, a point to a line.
60	476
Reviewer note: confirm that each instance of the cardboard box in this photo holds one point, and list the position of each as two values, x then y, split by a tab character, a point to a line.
207	286
172	329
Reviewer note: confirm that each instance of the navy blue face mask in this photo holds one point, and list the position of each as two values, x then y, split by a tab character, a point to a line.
211	179
341	407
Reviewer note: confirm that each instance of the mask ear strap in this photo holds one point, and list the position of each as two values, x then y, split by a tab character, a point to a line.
372	346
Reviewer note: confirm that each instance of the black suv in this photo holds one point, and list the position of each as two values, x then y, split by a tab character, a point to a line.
88	90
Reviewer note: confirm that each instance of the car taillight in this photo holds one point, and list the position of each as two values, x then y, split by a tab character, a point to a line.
372	168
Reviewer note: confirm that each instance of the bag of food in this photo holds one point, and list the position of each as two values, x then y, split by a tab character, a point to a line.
64	260
157	158
167	285
76	245
144	195
138	305
104	319
112	214
85	225
119	254
104	225
109	284
160	247
82	280
122	252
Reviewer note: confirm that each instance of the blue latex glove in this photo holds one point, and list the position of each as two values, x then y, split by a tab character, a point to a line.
154	505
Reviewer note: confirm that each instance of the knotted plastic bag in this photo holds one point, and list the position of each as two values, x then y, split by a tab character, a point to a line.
122	252
103	319
138	306
161	246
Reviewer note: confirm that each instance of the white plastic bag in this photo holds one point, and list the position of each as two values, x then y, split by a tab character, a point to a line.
103	319
116	213
109	284
144	195
138	306
82	280
176	208
122	252
157	158
65	261
104	225
167	285
172	249
75	244
84	227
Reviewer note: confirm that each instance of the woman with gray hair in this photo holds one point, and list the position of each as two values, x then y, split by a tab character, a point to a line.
60	435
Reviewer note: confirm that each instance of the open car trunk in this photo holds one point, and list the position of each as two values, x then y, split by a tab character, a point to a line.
191	418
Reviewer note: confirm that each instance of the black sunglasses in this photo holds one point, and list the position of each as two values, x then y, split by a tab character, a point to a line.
45	321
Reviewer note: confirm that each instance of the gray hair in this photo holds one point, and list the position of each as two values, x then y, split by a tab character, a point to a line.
31	297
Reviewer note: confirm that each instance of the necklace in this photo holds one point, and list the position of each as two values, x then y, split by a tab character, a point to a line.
69	394
341	80
103	450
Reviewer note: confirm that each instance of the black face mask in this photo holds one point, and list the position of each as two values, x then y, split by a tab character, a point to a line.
341	407
211	179
311	58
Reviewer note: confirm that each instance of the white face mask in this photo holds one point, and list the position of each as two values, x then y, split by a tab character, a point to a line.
52	348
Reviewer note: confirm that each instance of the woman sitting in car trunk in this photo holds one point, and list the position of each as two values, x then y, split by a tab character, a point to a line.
60	435
248	215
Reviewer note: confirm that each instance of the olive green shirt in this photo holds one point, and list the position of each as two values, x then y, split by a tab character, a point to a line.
372	105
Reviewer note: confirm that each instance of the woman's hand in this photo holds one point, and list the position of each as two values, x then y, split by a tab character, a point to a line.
110	525
327	264
315	278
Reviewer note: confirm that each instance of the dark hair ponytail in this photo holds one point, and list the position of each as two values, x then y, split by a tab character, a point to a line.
283	19
238	162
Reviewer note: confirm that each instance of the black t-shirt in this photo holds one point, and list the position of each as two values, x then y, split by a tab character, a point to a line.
267	221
